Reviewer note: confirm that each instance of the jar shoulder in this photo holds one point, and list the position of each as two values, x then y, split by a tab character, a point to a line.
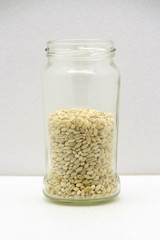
109	70
116	72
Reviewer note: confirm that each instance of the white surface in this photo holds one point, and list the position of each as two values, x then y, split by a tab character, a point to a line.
26	214
26	25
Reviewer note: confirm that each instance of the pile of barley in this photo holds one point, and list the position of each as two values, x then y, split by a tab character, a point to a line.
81	154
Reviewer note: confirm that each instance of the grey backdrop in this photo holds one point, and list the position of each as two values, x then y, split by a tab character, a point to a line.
26	25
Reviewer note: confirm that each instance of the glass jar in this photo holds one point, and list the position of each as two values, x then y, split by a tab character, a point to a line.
81	98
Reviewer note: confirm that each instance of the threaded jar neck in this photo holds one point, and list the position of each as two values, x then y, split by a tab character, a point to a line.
80	48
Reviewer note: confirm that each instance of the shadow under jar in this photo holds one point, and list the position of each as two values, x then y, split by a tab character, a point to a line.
81	98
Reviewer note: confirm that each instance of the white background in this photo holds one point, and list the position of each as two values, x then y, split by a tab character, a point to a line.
28	215
26	25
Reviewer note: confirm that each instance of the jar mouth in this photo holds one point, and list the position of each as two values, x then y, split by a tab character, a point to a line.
80	47
81	41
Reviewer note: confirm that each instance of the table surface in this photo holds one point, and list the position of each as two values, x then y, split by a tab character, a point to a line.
26	214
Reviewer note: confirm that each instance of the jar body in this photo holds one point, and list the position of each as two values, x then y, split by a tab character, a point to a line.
81	98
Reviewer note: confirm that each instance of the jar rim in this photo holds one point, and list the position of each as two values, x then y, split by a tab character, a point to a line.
79	46
81	41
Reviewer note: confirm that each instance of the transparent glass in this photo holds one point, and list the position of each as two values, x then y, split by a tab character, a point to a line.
81	100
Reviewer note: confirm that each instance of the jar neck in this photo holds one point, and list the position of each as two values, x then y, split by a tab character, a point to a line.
52	60
80	50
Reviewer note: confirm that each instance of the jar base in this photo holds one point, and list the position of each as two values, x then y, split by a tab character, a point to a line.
82	202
